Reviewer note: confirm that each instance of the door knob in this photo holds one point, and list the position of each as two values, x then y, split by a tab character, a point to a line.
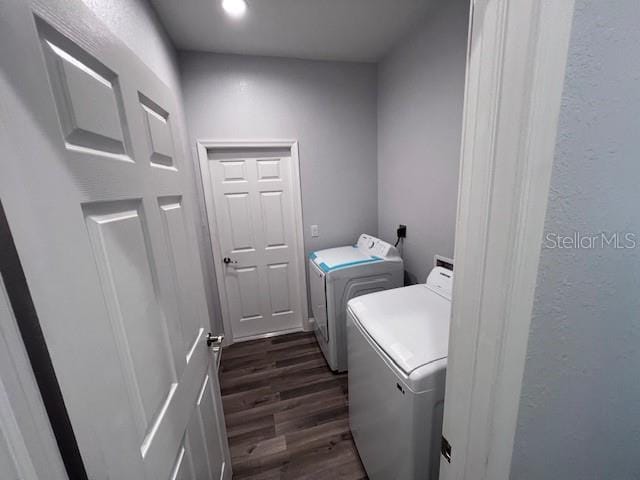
227	260
214	339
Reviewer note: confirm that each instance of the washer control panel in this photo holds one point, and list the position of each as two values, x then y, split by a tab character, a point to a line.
375	247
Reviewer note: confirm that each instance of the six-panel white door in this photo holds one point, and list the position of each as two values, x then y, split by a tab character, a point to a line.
99	195
254	221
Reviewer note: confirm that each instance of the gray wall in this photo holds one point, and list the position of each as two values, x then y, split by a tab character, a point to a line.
420	98
329	107
580	408
137	25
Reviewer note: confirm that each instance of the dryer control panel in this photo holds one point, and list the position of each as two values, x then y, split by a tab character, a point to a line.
440	280
375	247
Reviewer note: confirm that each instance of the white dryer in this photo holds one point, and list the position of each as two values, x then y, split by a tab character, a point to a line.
398	343
340	274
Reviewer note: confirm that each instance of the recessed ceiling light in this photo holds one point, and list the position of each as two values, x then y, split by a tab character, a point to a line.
234	8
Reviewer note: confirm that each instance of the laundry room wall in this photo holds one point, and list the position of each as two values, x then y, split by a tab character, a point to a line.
137	25
420	98
579	416
328	107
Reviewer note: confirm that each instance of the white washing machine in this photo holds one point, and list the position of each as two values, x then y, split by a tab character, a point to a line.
398	344
337	275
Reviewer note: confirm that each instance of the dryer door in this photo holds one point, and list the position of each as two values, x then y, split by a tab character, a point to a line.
318	299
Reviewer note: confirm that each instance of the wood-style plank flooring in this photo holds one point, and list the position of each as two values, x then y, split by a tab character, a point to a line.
286	412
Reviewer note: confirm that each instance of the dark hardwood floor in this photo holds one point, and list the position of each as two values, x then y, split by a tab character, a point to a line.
286	412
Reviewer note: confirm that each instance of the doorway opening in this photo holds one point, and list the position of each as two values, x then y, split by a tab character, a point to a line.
254	211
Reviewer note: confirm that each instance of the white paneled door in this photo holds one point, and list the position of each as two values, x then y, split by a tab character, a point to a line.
253	194
99	196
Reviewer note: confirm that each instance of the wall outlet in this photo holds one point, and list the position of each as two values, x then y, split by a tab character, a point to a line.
315	231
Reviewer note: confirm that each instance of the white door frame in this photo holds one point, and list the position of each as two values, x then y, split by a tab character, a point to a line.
24	422
203	146
515	75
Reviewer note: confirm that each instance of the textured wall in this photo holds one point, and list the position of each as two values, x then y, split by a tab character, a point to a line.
579	415
329	107
136	24
420	97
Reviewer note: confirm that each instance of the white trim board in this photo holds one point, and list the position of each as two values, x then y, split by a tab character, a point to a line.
203	146
25	431
515	74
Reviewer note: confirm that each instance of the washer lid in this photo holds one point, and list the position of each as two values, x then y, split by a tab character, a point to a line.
410	324
341	257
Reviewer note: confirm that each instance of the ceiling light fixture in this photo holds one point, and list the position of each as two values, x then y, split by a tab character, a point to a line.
234	8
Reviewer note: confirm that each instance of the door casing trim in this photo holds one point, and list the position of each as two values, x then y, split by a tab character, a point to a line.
514	80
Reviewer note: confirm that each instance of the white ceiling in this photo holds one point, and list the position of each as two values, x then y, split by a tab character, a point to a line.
355	30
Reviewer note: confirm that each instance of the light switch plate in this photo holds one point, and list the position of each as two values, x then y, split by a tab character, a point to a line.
315	231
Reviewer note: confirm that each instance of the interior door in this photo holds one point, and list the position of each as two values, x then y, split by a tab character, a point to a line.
255	225
98	194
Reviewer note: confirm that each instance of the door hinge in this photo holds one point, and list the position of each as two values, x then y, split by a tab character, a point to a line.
445	449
